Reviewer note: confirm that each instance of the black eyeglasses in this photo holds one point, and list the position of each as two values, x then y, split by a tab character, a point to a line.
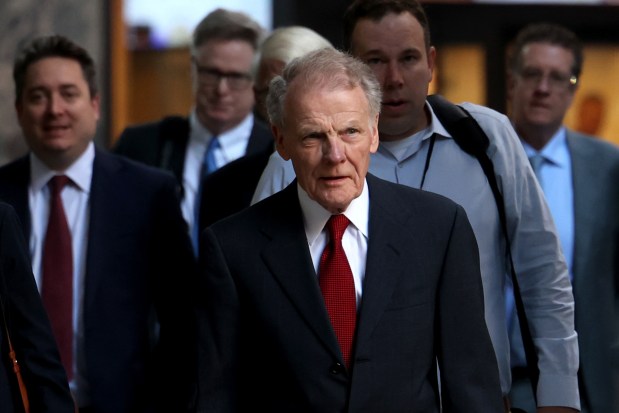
556	81
211	77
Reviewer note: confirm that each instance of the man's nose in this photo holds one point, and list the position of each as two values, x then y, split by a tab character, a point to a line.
55	104
334	150
393	74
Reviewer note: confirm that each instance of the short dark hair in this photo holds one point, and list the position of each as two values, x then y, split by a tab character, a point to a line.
222	24
546	33
377	9
52	46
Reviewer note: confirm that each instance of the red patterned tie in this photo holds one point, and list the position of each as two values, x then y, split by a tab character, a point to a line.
57	290
338	286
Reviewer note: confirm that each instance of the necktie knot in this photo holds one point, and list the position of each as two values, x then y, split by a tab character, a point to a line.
336	226
57	183
537	161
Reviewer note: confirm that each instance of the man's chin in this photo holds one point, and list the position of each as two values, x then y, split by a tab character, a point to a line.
394	112
56	143
391	131
336	201
334	207
539	121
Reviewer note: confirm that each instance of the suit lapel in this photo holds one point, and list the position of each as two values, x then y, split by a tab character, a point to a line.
260	139
287	257
173	136
103	192
383	265
583	181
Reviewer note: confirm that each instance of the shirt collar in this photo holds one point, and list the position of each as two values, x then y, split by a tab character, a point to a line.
555	151
435	125
316	217
401	149
80	171
226	139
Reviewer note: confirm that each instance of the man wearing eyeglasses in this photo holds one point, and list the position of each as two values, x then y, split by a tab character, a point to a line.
223	50
580	178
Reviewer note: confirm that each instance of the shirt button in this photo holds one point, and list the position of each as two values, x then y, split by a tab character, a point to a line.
336	368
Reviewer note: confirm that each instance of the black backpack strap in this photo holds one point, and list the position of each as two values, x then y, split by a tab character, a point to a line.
470	137
464	130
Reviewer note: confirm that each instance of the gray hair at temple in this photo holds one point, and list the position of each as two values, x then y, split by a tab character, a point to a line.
287	43
222	24
325	68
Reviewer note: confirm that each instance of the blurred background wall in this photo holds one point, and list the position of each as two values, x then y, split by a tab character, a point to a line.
141	47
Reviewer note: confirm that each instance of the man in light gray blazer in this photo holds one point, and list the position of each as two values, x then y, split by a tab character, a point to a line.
580	178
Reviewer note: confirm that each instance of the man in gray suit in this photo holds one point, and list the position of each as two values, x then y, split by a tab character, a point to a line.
580	178
408	292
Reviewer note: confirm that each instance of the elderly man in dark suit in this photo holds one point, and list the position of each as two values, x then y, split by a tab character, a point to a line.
353	293
109	246
221	127
25	331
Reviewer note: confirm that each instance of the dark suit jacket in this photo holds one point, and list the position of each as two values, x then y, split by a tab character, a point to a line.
231	187
28	326
163	144
265	336
139	265
595	172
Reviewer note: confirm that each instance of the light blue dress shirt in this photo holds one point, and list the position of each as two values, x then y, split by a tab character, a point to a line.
232	145
556	176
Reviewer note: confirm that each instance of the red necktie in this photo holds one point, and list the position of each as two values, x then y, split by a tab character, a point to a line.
338	286
57	290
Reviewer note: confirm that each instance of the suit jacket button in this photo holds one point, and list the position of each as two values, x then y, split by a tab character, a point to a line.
336	368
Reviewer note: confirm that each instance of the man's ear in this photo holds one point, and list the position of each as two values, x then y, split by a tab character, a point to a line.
374	140
279	142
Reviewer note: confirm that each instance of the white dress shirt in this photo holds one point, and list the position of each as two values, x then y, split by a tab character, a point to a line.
354	240
75	199
232	145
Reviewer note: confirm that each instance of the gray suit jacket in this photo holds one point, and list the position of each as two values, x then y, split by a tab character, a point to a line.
595	169
265	337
